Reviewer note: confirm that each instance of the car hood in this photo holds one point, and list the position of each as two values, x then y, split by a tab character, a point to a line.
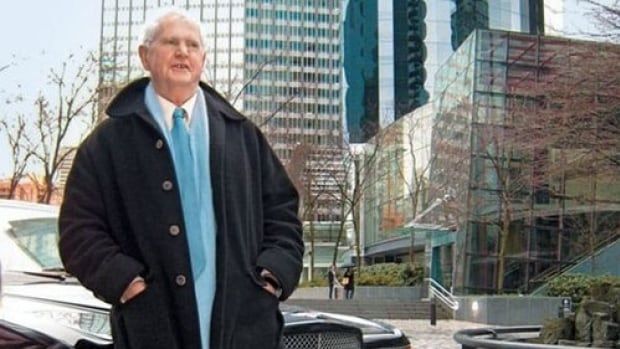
65	293
371	329
78	309
61	310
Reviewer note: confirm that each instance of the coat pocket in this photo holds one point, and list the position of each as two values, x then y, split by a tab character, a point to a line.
260	323
145	321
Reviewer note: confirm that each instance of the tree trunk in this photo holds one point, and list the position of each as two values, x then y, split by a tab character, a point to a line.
343	216
503	237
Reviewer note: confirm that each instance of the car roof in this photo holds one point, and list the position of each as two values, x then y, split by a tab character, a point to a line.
10	207
12	257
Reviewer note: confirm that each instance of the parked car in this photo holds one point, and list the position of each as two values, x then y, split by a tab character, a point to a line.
40	303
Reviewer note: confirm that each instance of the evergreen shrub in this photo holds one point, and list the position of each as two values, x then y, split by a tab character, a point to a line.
577	286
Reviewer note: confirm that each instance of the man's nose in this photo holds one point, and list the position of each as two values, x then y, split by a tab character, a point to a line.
183	49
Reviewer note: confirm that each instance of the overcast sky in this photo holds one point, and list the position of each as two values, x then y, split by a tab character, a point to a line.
38	35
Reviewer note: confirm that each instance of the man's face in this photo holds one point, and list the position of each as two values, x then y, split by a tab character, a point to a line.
175	58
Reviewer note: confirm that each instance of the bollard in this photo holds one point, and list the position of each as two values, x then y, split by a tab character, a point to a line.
433	312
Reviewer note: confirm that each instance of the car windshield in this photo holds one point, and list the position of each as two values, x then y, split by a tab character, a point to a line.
38	237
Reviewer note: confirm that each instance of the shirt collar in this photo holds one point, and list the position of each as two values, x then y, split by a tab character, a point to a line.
168	107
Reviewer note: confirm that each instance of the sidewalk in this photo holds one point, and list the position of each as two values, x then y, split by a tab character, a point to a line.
424	336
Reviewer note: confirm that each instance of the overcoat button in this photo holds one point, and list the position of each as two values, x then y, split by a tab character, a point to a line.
167	185
159	144
180	280
174	230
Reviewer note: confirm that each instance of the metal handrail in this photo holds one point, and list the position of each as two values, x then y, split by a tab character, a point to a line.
599	245
437	290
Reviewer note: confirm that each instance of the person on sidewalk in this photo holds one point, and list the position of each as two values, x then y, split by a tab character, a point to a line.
348	280
332	279
178	213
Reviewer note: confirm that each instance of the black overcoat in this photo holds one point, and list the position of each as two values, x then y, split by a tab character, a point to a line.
122	217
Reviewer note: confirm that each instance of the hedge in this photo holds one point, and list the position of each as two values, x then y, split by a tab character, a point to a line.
383	274
577	286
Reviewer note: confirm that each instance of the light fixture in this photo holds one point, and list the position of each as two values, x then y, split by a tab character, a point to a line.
475	306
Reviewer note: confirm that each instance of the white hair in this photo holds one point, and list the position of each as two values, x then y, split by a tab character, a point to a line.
156	17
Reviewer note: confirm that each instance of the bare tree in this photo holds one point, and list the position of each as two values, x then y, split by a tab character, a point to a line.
58	115
409	142
607	17
502	183
559	127
577	133
352	179
312	169
21	149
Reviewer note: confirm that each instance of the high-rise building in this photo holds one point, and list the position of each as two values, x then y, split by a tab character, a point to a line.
361	72
277	61
392	50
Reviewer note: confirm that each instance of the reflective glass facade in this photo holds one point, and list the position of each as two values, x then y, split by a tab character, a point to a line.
397	185
361	69
409	56
525	16
529	211
412	39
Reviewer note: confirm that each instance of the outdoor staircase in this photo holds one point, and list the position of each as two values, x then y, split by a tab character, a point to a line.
539	282
373	308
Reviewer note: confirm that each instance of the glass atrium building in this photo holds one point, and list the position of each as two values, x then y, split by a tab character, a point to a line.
534	201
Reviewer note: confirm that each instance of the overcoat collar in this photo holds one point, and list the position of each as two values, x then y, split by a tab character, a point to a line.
130	101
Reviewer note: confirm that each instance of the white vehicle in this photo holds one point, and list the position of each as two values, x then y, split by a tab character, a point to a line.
28	236
43	307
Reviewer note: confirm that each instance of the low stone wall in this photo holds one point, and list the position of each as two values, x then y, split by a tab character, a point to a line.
507	310
595	324
365	292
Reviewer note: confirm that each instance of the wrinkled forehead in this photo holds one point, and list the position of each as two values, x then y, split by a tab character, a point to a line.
168	23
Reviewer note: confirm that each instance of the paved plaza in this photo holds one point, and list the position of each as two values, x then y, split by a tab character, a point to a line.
424	336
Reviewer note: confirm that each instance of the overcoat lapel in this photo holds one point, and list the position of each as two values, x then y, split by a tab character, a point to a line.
217	137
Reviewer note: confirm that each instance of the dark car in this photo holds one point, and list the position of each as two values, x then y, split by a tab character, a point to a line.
40	303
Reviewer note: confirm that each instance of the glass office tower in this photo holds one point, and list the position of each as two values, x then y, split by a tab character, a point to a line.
398	45
360	52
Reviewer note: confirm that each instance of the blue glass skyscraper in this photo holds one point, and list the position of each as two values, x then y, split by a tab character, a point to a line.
392	50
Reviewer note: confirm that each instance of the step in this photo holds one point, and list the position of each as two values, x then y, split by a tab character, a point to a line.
377	309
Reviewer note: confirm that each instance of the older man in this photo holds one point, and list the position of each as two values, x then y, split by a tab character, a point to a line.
177	211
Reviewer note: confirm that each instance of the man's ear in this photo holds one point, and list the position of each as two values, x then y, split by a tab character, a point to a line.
143	53
204	59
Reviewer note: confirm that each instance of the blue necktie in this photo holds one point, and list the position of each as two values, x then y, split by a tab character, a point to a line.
184	165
